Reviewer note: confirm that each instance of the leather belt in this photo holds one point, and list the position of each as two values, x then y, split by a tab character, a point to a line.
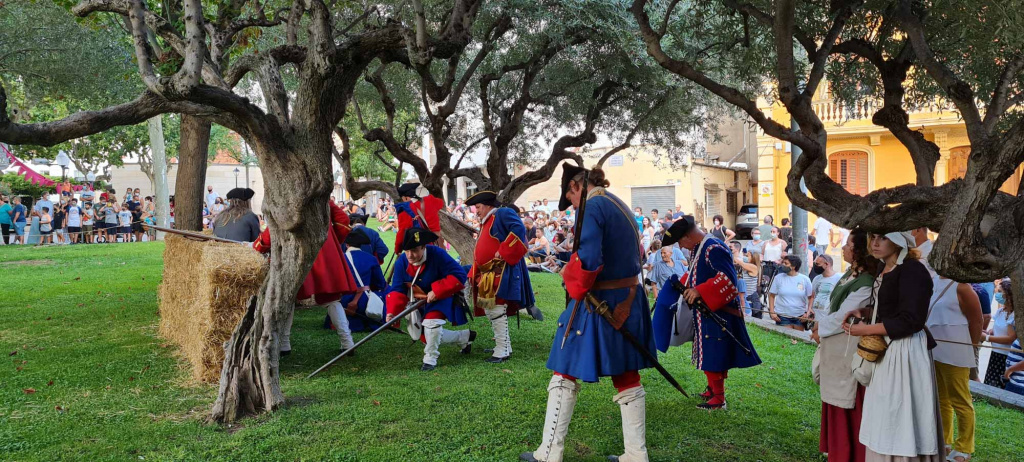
621	311
610	284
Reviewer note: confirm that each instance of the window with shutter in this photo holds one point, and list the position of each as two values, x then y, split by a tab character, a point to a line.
713	203
730	201
957	168
850	169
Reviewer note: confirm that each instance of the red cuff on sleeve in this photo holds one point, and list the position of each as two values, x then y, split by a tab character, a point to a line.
512	250
444	288
578	281
396	302
717	292
262	243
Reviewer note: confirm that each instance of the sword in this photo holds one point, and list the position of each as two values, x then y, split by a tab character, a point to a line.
192	234
601	307
410	309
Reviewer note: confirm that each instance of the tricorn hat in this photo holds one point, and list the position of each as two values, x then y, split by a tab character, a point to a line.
357	238
483	197
680	228
415	237
241	193
568	172
408	190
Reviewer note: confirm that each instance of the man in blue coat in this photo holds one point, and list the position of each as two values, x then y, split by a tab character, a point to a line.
368	303
499	273
711	278
427	272
587	346
375	245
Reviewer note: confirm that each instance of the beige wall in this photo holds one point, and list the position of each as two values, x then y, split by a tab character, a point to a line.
691	183
220	176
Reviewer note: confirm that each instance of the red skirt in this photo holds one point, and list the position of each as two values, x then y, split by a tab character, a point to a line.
330	276
840	431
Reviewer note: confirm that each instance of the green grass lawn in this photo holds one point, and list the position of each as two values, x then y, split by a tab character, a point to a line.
87	378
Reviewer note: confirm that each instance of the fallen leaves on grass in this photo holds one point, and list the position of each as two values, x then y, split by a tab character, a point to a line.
29	391
376	403
13	353
50	383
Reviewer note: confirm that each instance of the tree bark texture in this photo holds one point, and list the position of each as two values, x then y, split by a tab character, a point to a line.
460	235
295	209
159	149
191	179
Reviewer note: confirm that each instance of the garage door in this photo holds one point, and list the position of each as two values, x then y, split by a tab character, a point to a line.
662	198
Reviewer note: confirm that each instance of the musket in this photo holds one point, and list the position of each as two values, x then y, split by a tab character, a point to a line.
374	321
409	309
705	310
601	308
387	269
576	247
192	234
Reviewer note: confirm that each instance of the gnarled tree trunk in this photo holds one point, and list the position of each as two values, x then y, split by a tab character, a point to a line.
191	179
296	213
460	235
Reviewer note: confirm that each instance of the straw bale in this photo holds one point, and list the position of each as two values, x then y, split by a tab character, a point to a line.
204	293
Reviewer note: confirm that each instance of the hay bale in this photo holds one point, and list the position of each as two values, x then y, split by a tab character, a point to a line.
205	289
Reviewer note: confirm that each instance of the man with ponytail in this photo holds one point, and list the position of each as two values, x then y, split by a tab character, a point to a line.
604	267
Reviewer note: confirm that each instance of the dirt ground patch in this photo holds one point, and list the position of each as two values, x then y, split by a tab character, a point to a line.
43	262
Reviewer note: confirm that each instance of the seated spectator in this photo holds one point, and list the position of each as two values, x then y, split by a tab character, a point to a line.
664	268
790	296
1014	374
540	247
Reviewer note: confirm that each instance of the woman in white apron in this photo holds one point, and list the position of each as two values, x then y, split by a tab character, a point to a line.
901	410
842	398
955	315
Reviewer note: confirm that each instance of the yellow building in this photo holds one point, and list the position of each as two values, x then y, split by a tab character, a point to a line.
862	156
701	188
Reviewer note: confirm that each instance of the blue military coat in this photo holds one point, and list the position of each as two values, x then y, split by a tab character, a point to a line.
610	247
376	247
370	274
441	273
713	349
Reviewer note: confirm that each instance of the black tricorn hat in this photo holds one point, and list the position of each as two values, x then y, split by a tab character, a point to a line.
680	228
568	172
241	193
415	237
408	190
357	238
483	197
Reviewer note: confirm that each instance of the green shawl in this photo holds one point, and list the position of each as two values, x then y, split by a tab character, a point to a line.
843	290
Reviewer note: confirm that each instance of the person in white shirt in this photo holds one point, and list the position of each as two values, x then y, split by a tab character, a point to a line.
211	197
822	234
74	217
790	295
822	285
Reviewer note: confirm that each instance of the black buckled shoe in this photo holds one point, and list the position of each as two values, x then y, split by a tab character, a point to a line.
535	313
469	346
427	367
527	457
496	360
711	407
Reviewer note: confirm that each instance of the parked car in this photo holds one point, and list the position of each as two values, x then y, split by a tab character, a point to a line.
746	220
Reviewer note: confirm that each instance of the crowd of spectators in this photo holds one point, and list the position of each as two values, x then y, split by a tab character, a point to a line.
90	218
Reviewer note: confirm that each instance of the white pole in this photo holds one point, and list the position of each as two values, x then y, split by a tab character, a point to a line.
162	199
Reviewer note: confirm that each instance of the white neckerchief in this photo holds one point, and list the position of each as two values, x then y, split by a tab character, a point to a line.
692	280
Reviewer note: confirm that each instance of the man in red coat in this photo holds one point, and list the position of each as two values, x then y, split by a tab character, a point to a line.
416	212
330	277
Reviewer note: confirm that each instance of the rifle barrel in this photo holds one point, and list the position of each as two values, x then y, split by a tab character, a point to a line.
410	309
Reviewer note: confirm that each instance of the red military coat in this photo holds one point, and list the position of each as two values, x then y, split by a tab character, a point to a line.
330	276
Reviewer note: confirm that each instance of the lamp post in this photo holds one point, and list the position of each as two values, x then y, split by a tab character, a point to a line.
64	161
237	171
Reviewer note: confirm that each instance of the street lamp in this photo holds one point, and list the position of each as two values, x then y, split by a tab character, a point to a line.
64	161
237	171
